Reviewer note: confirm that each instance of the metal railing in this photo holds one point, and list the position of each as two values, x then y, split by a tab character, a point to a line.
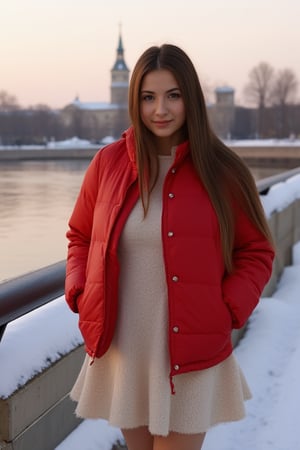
22	295
264	185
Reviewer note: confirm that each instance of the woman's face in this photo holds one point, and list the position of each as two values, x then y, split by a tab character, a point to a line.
162	108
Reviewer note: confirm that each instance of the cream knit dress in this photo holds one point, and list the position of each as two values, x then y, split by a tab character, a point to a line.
129	386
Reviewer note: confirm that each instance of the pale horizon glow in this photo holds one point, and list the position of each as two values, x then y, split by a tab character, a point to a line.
52	51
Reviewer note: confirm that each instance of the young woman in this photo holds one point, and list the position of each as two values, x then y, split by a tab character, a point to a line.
169	250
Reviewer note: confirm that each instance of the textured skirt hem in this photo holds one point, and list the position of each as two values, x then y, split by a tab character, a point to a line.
154	431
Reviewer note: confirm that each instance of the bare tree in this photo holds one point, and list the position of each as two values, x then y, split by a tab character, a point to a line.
8	108
284	91
285	87
258	91
8	102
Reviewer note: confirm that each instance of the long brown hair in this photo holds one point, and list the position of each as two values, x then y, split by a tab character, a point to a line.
224	175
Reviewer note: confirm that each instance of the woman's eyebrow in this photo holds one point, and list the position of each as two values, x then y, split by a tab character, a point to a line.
152	92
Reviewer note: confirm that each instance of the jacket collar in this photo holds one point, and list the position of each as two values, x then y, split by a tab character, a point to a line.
128	135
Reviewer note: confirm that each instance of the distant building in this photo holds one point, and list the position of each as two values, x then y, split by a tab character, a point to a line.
222	112
97	120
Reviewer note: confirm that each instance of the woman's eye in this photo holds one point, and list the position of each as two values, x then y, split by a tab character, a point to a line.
175	95
147	97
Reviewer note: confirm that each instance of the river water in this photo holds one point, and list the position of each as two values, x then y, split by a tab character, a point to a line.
36	200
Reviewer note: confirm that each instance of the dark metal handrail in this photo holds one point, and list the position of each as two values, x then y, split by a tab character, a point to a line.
22	295
264	185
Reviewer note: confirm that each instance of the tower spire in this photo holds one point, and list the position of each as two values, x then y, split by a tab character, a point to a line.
119	77
120	46
120	62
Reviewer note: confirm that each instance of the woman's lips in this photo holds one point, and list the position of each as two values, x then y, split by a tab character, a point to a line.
162	123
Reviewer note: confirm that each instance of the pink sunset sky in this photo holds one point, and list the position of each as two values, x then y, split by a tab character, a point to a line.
53	50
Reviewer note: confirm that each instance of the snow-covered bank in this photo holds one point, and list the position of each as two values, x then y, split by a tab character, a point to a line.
33	342
281	195
263	142
71	143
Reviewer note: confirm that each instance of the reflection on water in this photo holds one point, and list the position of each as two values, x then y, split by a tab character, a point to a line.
36	200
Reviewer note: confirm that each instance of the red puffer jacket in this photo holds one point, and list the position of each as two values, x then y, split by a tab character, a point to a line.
204	303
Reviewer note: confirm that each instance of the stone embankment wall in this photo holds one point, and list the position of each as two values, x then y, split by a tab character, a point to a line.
46	154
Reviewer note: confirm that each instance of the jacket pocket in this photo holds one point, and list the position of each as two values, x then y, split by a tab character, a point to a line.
203	310
200	347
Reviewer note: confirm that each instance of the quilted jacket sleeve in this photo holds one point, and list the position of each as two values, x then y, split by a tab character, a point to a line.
79	234
252	261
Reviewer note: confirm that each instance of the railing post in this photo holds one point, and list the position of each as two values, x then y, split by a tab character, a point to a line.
2	329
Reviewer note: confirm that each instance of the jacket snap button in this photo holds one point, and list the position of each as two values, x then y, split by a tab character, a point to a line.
173	170
171	195
175	278
175	329
176	367
170	234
